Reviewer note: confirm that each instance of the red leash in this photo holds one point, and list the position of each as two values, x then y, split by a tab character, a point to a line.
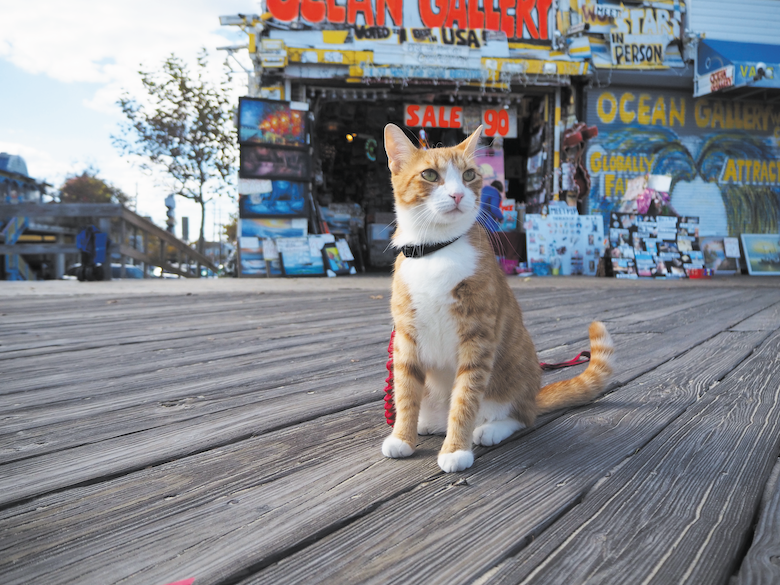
389	404
581	358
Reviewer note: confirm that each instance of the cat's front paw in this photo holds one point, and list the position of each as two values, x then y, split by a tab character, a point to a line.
396	448
457	461
493	433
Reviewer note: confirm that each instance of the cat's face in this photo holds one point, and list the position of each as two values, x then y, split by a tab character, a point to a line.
437	190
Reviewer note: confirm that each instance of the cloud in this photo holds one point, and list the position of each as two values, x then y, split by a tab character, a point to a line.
107	42
84	42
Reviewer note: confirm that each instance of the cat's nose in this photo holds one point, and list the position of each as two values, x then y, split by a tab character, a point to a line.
457	197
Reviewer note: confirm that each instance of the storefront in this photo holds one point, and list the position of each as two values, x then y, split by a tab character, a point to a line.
440	76
611	108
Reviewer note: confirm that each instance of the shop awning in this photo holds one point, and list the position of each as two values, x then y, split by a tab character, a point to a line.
725	65
359	66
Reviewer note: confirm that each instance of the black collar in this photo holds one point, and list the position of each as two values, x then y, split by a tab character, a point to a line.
420	250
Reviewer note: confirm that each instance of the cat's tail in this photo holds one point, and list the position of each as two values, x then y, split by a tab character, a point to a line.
590	383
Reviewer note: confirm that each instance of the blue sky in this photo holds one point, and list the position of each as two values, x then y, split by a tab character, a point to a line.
64	64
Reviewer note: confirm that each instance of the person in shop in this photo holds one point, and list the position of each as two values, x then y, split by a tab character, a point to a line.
490	206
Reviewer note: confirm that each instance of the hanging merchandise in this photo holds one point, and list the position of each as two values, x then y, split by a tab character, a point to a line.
575	180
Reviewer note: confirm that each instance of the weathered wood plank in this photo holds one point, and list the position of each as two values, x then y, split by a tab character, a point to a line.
692	493
33	443
766	320
298	306
671	339
515	492
75	424
196	400
182	358
124	454
229	537
761	565
207	310
245	489
203	342
242	503
653	311
81	339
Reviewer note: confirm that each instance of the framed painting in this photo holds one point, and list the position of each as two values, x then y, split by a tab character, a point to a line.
297	259
762	254
715	258
333	261
272	122
272	228
281	198
268	162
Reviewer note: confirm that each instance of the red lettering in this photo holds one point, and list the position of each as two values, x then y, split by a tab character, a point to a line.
313	10
285	10
429	118
443	122
396	9
457	13
364	6
429	18
503	122
417	115
412	119
455	117
476	18
507	21
490	121
524	8
491	16
543	10
495	122
336	13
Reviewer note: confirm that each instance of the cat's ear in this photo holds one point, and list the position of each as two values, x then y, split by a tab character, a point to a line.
469	146
399	148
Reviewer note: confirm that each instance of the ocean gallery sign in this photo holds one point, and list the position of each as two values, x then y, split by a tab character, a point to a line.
520	19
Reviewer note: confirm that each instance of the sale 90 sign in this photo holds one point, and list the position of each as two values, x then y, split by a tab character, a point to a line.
499	122
496	122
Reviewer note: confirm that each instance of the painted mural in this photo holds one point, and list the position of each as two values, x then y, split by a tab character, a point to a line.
719	158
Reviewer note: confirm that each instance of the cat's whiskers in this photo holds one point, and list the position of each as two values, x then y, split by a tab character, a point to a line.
498	243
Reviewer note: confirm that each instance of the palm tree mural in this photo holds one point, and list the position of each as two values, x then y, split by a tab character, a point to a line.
750	208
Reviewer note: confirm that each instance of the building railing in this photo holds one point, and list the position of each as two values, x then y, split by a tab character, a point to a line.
132	236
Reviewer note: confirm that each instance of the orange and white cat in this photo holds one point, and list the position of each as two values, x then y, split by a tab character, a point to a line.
464	364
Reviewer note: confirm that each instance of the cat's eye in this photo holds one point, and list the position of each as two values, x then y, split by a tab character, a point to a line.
430	175
469	175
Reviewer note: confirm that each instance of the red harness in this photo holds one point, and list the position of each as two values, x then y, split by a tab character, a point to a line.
582	357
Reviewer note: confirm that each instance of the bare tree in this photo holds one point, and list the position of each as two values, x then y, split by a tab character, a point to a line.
185	129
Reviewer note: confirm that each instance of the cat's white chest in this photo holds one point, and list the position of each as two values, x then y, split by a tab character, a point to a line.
430	281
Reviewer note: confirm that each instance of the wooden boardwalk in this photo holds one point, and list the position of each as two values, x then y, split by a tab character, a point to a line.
230	431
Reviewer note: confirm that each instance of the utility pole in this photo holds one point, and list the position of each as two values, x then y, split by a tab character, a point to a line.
252	25
170	222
